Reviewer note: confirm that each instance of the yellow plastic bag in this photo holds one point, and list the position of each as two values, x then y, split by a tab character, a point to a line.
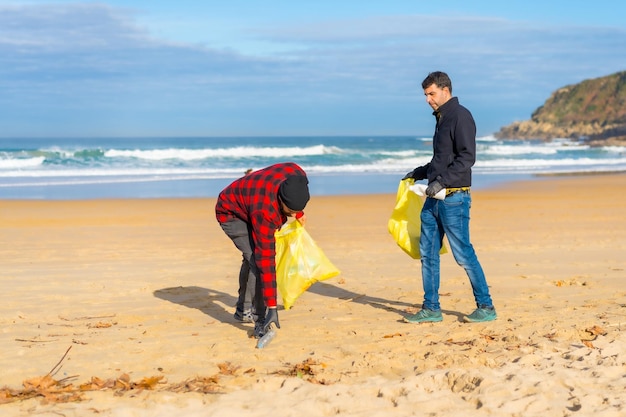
299	262
404	224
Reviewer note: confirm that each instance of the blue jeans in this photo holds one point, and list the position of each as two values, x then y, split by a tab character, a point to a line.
449	217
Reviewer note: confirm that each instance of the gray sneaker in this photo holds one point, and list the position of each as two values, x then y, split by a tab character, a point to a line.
244	316
424	316
481	315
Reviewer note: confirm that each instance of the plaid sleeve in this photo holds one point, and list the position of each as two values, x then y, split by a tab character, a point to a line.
265	256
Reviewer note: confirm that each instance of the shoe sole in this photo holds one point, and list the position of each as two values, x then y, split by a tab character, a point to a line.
436	320
469	320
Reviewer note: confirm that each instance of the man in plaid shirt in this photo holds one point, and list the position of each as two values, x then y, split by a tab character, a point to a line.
250	210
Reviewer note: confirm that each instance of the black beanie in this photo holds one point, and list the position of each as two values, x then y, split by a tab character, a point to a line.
294	192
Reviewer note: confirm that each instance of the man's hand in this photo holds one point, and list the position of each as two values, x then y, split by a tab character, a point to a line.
433	188
302	219
408	175
271	316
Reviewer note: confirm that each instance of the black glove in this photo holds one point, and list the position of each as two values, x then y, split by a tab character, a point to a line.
271	316
433	188
409	175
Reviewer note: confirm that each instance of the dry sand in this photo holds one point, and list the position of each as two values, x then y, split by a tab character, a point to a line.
137	289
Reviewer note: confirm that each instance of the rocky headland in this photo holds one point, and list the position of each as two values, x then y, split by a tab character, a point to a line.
593	110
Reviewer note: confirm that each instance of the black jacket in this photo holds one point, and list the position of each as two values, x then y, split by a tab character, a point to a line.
454	147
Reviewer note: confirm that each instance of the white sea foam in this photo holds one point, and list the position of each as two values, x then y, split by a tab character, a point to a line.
234	152
390	165
20	163
404	154
615	149
529	149
125	172
515	150
81	163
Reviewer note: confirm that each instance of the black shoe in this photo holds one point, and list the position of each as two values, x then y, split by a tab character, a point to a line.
244	316
258	330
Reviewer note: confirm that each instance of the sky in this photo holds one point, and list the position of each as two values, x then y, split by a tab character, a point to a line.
289	68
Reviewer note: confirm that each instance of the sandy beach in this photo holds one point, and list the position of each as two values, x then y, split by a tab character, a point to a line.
127	306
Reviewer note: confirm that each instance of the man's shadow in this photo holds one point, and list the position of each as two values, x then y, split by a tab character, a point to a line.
211	302
344	295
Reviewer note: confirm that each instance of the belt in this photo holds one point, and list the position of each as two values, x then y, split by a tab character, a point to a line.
457	190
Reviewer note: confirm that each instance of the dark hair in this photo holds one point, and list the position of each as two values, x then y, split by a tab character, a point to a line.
440	79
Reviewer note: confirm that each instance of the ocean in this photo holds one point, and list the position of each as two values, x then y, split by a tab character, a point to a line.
70	169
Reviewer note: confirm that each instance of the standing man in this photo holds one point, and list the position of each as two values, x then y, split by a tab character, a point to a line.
250	210
454	154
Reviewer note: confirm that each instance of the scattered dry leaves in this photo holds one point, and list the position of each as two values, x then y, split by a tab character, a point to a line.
596	330
590	334
389	336
100	325
550	336
460	343
226	368
204	385
61	391
305	370
570	282
53	391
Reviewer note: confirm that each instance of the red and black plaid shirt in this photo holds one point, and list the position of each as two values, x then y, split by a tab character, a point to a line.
253	198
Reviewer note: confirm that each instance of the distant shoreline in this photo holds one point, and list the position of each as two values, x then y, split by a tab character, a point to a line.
321	185
579	173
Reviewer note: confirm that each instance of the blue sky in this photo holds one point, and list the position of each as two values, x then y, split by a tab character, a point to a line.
232	68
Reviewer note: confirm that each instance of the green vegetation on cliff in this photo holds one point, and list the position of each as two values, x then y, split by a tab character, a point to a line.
593	110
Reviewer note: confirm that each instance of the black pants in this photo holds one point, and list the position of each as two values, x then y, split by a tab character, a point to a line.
250	293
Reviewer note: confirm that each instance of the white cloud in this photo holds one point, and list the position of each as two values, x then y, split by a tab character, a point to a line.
95	58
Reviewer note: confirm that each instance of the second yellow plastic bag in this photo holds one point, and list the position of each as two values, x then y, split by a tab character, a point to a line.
404	224
299	263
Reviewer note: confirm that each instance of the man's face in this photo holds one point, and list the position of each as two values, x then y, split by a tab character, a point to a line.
287	211
436	97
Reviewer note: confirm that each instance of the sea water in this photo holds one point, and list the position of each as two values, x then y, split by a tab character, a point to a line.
71	168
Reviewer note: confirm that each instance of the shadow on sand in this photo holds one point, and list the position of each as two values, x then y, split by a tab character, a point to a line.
220	305
344	295
213	303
